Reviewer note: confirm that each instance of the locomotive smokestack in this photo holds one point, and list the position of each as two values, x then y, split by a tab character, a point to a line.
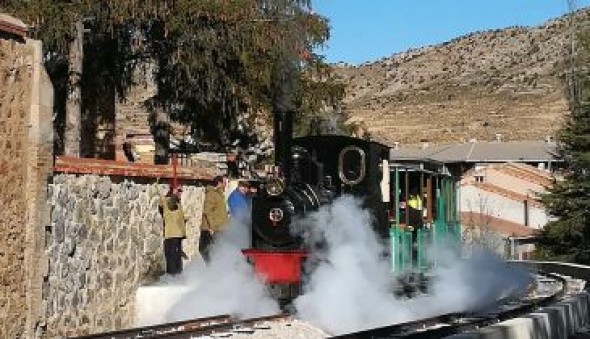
283	134
283	108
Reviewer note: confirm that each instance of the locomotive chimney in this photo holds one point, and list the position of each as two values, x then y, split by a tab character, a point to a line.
283	134
284	82
283	108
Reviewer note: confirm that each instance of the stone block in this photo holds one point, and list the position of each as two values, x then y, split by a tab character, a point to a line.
103	188
59	230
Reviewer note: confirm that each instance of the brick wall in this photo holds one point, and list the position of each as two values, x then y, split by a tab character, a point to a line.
132	118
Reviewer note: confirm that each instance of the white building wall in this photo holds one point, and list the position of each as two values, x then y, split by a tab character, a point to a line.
476	200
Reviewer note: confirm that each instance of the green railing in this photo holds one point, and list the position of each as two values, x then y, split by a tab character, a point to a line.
407	255
401	250
445	232
423	240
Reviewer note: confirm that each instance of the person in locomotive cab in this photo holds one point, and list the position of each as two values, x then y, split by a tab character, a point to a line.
215	216
240	201
415	209
174	231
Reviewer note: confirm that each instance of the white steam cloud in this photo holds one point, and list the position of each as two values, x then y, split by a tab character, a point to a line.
349	286
227	285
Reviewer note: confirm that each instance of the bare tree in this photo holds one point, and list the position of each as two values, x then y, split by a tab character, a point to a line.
477	230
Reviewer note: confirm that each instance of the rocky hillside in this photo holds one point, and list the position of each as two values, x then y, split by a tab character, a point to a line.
508	82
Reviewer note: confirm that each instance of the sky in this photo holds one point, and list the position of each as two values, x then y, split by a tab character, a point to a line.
367	30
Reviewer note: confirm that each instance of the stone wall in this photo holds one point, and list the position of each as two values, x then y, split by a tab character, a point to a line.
26	102
105	240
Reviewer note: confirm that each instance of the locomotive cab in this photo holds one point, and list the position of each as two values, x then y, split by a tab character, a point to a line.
351	166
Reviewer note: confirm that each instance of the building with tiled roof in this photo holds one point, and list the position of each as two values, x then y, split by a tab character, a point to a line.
464	156
500	186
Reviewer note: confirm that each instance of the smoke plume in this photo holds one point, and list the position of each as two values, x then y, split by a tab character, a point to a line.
227	285
350	287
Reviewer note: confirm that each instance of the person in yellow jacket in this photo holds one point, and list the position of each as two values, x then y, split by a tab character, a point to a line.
174	231
415	209
215	217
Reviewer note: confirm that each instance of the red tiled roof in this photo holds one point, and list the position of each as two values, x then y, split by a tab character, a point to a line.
12	25
505	193
528	173
501	226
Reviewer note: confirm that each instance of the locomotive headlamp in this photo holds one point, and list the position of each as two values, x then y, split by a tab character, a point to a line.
275	187
275	215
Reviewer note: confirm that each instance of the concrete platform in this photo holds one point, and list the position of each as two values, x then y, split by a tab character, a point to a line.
559	321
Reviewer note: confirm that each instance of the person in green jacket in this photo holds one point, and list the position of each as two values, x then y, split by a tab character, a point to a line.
174	231
215	217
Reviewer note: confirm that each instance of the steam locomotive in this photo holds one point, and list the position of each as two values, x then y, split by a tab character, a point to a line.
312	171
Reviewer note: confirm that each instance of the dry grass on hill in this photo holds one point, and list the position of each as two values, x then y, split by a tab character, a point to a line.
508	81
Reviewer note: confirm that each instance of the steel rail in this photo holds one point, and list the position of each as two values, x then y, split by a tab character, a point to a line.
156	330
236	325
188	328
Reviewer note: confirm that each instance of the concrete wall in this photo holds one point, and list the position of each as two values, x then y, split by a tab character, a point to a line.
105	240
26	105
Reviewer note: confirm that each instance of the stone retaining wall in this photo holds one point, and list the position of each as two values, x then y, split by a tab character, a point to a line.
105	240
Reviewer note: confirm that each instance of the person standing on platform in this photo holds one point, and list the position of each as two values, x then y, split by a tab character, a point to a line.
174	231
415	209
240	201
215	217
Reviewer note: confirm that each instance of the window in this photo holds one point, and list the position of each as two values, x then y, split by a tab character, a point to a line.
351	165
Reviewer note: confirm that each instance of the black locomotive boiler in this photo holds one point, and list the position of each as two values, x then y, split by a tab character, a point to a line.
321	168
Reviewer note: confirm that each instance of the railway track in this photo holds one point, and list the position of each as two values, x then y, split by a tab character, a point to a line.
454	323
220	325
435	327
